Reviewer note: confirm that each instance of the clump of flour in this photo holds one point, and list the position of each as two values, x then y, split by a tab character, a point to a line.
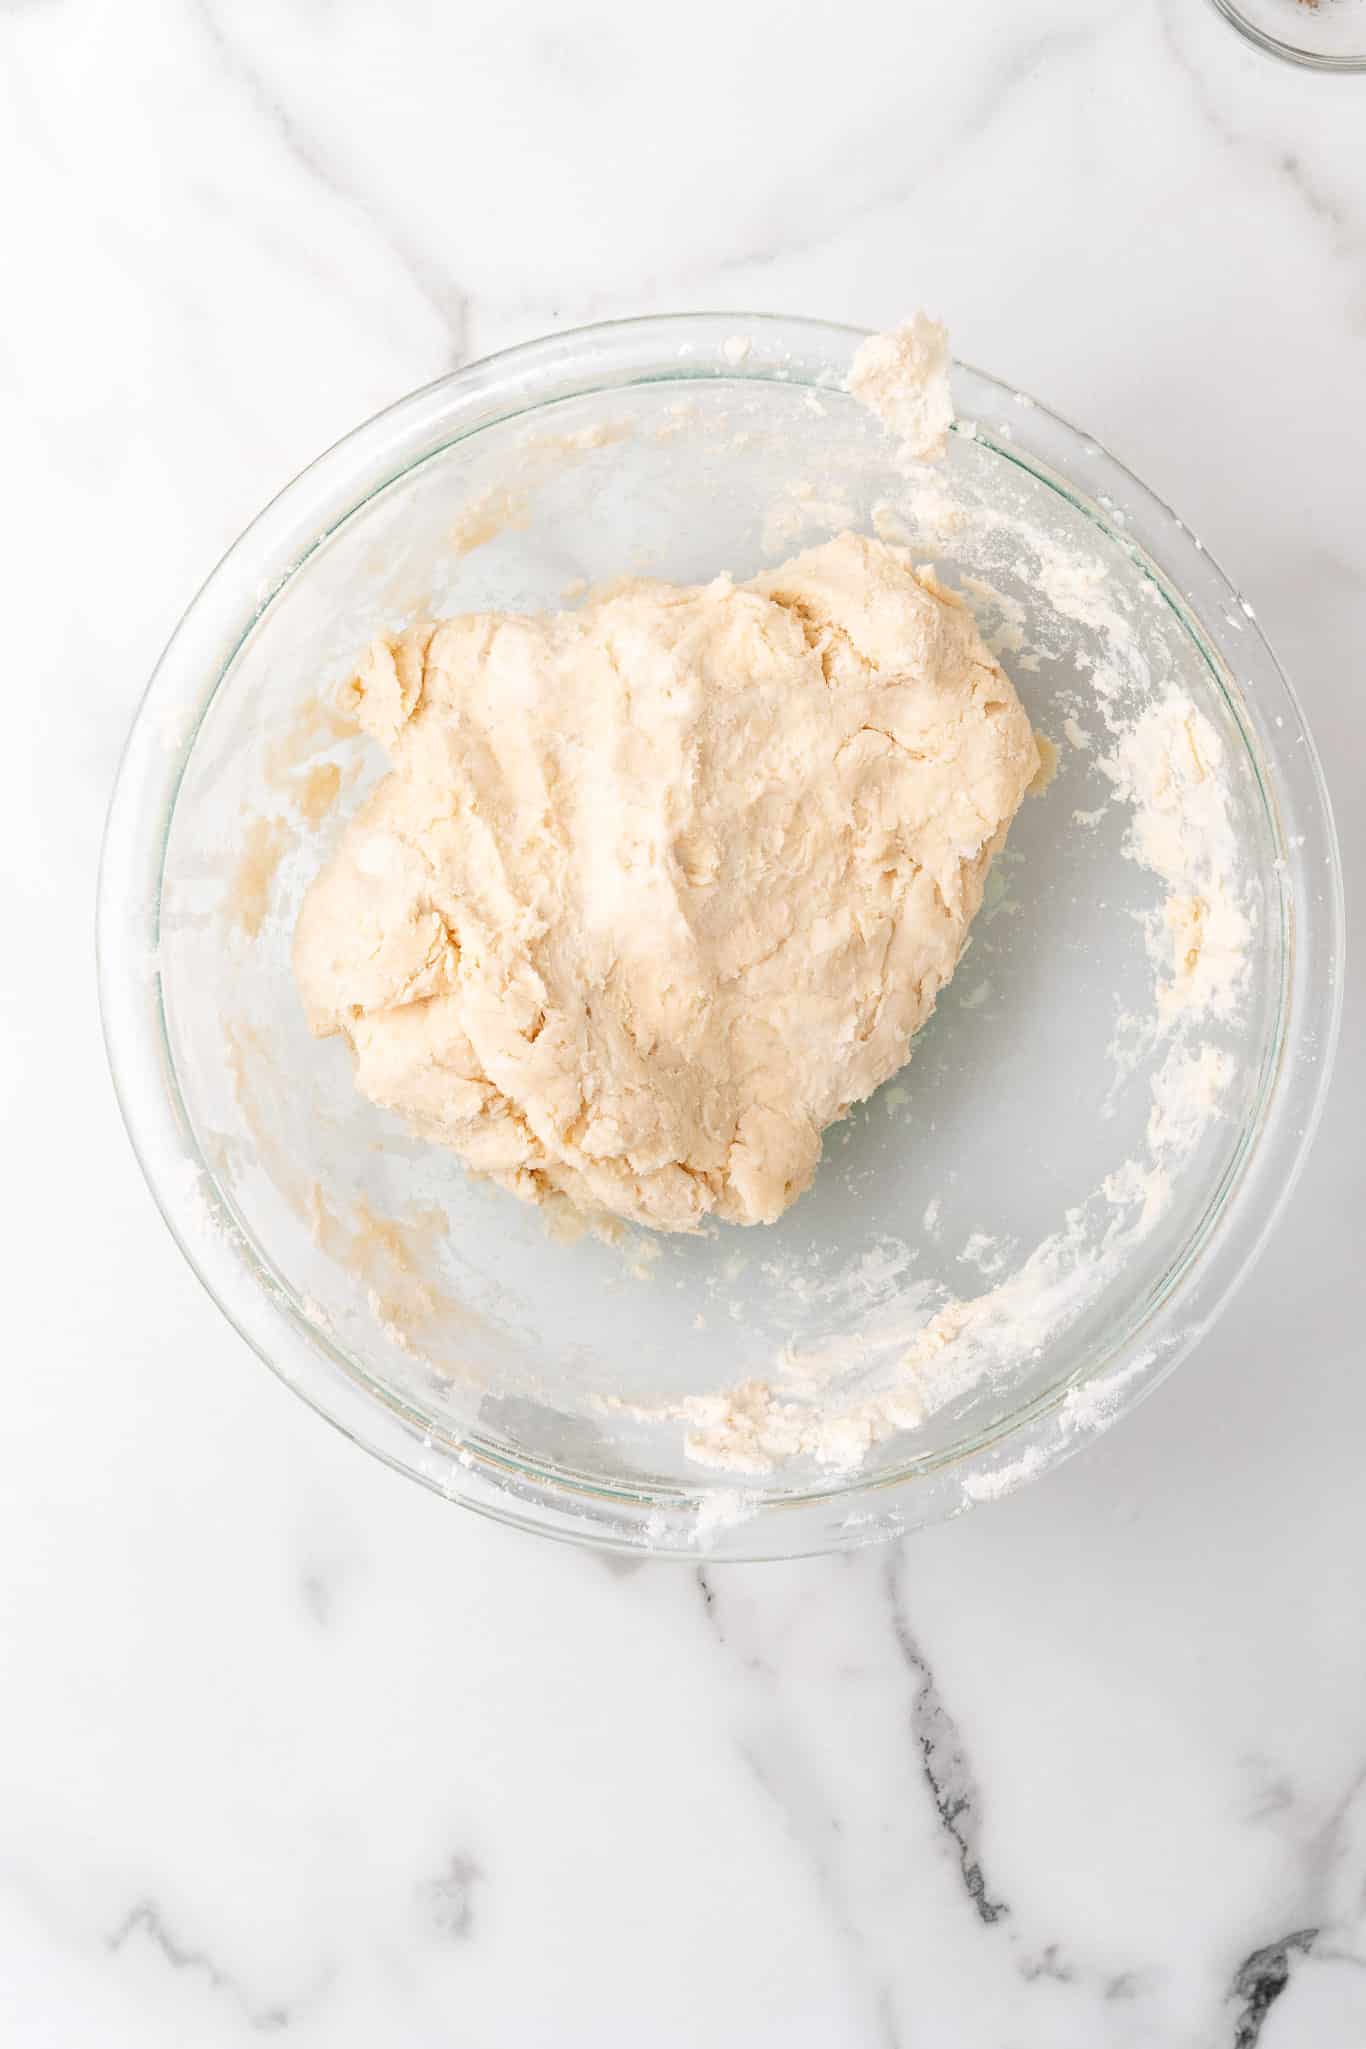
1164	766
903	377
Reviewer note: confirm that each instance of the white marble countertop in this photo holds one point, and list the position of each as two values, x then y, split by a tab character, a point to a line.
286	1745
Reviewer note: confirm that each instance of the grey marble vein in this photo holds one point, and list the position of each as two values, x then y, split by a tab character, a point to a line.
816	1828
446	299
997	84
1323	1850
317	1593
799	1795
752	1659
1324	207
1260	1980
22	99
448	1899
1124	1985
946	1766
1048	1963
146	1919
1319	1852
620	1564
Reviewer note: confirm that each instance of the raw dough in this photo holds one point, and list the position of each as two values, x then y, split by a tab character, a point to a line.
903	377
659	888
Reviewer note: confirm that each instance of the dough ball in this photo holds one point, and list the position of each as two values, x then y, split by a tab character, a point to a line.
657	889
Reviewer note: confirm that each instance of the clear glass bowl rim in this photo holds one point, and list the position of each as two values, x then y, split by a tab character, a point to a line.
599	358
1291	53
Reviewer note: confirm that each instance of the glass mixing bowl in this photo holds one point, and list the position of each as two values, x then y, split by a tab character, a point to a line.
523	1371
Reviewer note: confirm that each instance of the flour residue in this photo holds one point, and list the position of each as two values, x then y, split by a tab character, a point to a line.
833	1402
806	511
396	1260
1165	766
903	377
319	724
507	508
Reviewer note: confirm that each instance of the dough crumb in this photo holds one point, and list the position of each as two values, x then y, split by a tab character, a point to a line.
903	377
1048	764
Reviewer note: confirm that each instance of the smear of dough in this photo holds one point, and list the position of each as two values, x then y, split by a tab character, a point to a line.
318	791
265	844
1048	764
657	889
317	725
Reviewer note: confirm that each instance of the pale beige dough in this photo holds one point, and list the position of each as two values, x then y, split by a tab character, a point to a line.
903	377
657	889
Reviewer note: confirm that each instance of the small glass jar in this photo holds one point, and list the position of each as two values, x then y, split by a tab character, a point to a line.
1327	35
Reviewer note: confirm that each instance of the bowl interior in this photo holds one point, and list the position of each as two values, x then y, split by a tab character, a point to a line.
1004	1167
